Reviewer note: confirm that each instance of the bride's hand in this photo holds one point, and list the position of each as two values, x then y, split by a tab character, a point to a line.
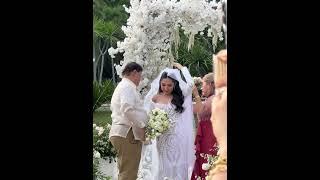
177	65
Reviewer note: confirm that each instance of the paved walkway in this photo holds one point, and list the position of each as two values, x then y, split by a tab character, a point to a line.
109	169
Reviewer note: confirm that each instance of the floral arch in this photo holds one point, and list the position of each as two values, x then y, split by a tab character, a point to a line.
153	29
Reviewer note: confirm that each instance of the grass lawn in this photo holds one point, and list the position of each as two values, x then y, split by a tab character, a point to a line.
101	118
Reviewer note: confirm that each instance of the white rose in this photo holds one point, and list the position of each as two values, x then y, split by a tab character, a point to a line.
94	125
96	154
100	131
206	166
160	129
157	124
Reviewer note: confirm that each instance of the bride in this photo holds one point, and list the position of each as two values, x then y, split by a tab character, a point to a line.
170	156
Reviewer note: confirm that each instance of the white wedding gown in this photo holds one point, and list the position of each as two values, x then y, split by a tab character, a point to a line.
170	151
171	156
171	146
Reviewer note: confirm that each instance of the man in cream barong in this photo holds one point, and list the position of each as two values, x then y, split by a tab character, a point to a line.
128	122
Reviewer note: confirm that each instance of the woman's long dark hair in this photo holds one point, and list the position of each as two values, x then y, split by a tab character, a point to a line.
177	96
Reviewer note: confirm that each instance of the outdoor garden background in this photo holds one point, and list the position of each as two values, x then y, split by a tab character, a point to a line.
108	18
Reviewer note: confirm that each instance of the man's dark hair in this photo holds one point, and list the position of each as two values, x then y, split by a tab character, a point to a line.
130	67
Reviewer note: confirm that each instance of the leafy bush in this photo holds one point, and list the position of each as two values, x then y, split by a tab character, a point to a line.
97	174
102	93
101	142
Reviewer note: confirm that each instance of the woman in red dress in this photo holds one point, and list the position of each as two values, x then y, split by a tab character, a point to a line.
205	142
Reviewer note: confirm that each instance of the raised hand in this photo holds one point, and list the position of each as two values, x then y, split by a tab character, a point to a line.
177	65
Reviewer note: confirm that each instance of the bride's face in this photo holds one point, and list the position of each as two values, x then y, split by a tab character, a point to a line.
167	86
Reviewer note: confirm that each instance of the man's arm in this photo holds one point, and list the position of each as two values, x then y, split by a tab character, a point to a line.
137	116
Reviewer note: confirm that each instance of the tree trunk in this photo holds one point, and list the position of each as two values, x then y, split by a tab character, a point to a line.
94	64
101	69
97	60
103	51
113	75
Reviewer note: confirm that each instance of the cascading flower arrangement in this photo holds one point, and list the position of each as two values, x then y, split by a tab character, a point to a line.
152	29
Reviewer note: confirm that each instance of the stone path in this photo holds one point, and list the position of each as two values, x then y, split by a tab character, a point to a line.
109	169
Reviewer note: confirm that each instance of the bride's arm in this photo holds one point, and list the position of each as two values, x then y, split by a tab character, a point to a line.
189	80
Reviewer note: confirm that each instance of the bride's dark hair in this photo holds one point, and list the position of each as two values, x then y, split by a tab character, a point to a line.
177	96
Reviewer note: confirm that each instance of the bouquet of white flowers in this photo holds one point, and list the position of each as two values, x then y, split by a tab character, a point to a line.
215	163
158	123
210	160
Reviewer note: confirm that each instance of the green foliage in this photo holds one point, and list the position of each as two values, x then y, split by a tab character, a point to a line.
102	93
108	18
97	174
116	14
111	11
107	30
199	58
102	118
101	142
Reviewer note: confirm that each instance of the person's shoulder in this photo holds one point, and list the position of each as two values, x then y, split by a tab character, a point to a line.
124	84
124	88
